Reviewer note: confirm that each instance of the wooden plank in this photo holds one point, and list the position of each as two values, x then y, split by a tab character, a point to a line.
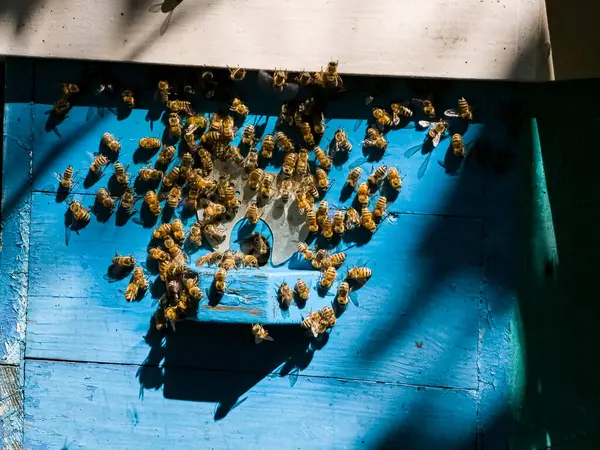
16	209
92	406
430	276
11	406
469	39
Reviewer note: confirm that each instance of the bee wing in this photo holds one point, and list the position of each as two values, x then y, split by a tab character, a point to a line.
451	113
412	150
357	162
165	25
89	114
68	233
157	7
423	167
417	103
369	99
265	80
436	140
294	376
257	340
268	338
357	124
354	298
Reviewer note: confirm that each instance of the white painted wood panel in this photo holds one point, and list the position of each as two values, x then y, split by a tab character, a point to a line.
486	39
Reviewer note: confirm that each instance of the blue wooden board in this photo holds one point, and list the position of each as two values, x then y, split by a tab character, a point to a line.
86	406
406	361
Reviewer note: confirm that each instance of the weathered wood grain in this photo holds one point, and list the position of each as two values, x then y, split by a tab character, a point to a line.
469	40
92	406
11	406
430	276
16	210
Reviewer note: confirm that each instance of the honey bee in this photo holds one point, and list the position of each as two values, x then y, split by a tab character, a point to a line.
285	295
251	161
171	178
330	77
151	200
285	115
195	235
252	213
328	316
236	74
382	117
109	141
191	284
328	277
338	222
322	211
175	270
216	123
210	258
301	162
324	161
123	262
377	176
463	111
394	178
187	160
127	200
254	179
195	123
138	278
306	252
375	139
190	141
399	111
311	324
163	267
220	276
337	259
260	334
327	227
353	177
380	207
302	289
158	254
279	79
233	154
436	132
311	219
148	174
69	89
457	145
284	142
231	201
250	261
178	106
249	135
177	229
306	133
213	210
289	163
343	293
304	78
174	197
175	125
341	141
268	145
352	218
285	190
206	161
426	106
311	189
367	221
212	232
127	97
168	242
228	131
79	213
131	292
61	107
319	124
321	177
66	180
238	107
363	193
151	143
360	274
165	156
103	198
164	91
266	185
98	163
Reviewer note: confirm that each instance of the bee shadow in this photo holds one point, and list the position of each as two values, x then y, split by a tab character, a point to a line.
53	121
122	216
144	155
123	111
452	162
346	192
214	296
148	220
61	194
101	212
372	153
358	236
389	192
116	272
115	188
338	308
158	288
140	186
168	138
91	178
300	302
457	125
153	114
328	244
339	158
167	214
322	291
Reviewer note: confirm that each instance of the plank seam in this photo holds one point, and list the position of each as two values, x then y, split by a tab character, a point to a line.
203	369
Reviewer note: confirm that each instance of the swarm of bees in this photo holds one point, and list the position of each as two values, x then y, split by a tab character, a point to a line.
202	183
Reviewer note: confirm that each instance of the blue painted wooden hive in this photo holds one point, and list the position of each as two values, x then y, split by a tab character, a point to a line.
418	320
